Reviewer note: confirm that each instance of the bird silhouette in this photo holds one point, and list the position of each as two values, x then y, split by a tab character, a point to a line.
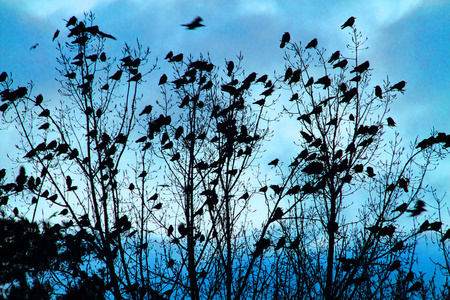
401	208
334	56
3	76
348	23
399	86
361	68
194	24
312	44
390	122
285	39
415	287
325	80
280	244
135	78
176	58
72	21
230	67
55	35
394	266
287	75
309	82
357	78
274	162
378	92
116	75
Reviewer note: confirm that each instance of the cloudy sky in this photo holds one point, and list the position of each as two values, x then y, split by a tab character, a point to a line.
407	39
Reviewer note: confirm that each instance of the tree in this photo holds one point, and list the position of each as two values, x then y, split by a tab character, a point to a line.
174	223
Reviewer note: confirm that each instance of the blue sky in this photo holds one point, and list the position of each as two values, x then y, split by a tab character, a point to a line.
408	40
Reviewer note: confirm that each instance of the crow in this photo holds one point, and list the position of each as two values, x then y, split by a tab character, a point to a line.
146	110
285	39
334	56
230	67
176	58
194	24
309	82
287	75
163	79
325	80
348	23
361	68
169	55
312	44
274	162
378	92
55	35
390	122
72	21
398	86
116	75
340	64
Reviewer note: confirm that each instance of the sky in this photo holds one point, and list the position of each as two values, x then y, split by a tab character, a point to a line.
407	39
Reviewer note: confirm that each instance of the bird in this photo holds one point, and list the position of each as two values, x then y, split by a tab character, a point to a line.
163	79
45	113
446	236
274	162
309	82
378	92
34	46
281	243
357	78
285	39
325	80
390	122
401	208
340	64
230	67
3	76
394	266
334	56
72	21
176	58
194	24
116	75
398	86
361	68
312	44
169	55
55	35
348	23
415	287
135	78
288	73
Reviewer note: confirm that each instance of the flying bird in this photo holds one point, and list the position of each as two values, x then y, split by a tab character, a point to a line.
285	39
312	44
348	23
34	46
194	24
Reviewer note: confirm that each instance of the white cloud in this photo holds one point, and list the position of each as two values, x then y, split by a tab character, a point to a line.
45	8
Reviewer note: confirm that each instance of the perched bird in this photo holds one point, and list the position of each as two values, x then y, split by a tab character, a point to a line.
378	92
446	235
288	73
361	68
312	44
55	35
274	162
390	122
334	56
285	39
309	82
169	55
394	266
72	21
194	24
176	58
325	80
230	67
135	78
398	86
163	79
3	76
116	75
348	23
281	243
415	287
357	78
